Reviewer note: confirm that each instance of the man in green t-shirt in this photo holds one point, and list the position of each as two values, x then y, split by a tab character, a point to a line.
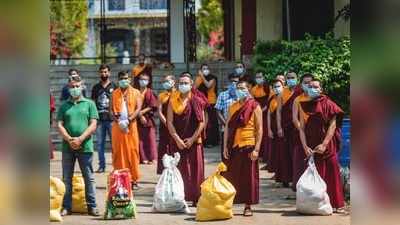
77	119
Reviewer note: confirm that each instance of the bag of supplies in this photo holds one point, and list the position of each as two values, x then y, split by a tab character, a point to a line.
311	195
217	195
119	203
78	195
169	195
57	191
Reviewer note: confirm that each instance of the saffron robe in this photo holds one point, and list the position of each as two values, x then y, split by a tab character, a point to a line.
125	146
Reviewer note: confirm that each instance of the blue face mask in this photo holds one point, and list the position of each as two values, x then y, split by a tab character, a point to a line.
259	80
305	88
291	82
241	94
143	83
239	70
75	92
184	88
313	92
167	85
123	83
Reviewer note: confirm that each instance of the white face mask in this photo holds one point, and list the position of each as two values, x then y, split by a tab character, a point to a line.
206	72
278	90
184	88
143	83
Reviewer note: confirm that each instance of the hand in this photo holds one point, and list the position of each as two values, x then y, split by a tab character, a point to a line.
308	151
188	142
270	134
320	149
181	145
143	120
280	132
254	155
132	117
75	143
263	109
226	153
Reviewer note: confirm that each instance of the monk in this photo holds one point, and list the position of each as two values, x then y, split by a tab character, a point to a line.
125	106
207	84
146	124
299	164
241	72
282	78
185	120
279	154
318	138
168	84
242	142
260	92
141	68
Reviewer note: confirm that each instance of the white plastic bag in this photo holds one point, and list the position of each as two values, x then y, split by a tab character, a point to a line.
311	195
169	193
123	120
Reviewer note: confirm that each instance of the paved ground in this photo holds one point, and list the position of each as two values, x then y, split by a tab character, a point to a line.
273	208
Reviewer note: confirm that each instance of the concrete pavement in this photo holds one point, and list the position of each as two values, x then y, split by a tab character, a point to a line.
273	209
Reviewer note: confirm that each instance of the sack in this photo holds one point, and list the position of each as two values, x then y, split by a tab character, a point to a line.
78	195
119	201
169	193
311	195
57	191
217	195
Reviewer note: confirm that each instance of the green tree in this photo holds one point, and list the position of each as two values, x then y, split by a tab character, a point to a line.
68	27
210	17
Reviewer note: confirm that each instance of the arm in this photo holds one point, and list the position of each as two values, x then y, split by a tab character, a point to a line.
89	131
295	115
226	152
279	118
270	134
208	84
63	131
189	141
221	118
307	150
321	148
258	125
110	109
135	114
161	115
170	118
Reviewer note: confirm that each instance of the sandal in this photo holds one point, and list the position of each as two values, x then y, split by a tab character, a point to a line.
247	212
340	211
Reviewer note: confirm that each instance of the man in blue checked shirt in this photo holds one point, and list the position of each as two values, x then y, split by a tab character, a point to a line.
224	100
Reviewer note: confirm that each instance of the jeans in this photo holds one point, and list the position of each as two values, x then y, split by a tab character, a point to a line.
103	127
85	163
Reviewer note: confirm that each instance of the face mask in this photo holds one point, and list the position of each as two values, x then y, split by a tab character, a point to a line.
305	88
123	83
184	88
259	80
143	83
206	72
313	92
241	94
278	90
291	82
239	70
167	85
104	78
75	92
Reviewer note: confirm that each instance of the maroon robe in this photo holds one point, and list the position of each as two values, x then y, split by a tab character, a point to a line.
164	139
265	145
191	164
147	132
212	128
242	172
321	110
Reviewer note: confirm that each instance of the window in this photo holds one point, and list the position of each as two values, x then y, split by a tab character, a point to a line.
116	5
153	4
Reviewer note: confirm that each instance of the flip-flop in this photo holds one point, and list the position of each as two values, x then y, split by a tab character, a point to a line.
247	212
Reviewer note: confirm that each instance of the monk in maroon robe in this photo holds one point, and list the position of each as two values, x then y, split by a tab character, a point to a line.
139	69
146	125
242	141
168	84
207	84
261	92
185	120
318	137
299	162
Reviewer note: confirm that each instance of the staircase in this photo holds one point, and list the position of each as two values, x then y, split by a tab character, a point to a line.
59	75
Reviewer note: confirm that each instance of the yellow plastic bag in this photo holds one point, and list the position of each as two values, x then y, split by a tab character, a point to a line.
78	195
217	195
57	191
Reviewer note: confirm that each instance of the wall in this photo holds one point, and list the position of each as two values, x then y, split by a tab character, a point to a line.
177	32
341	28
269	20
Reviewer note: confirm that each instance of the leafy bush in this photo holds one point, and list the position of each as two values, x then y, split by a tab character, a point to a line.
328	59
